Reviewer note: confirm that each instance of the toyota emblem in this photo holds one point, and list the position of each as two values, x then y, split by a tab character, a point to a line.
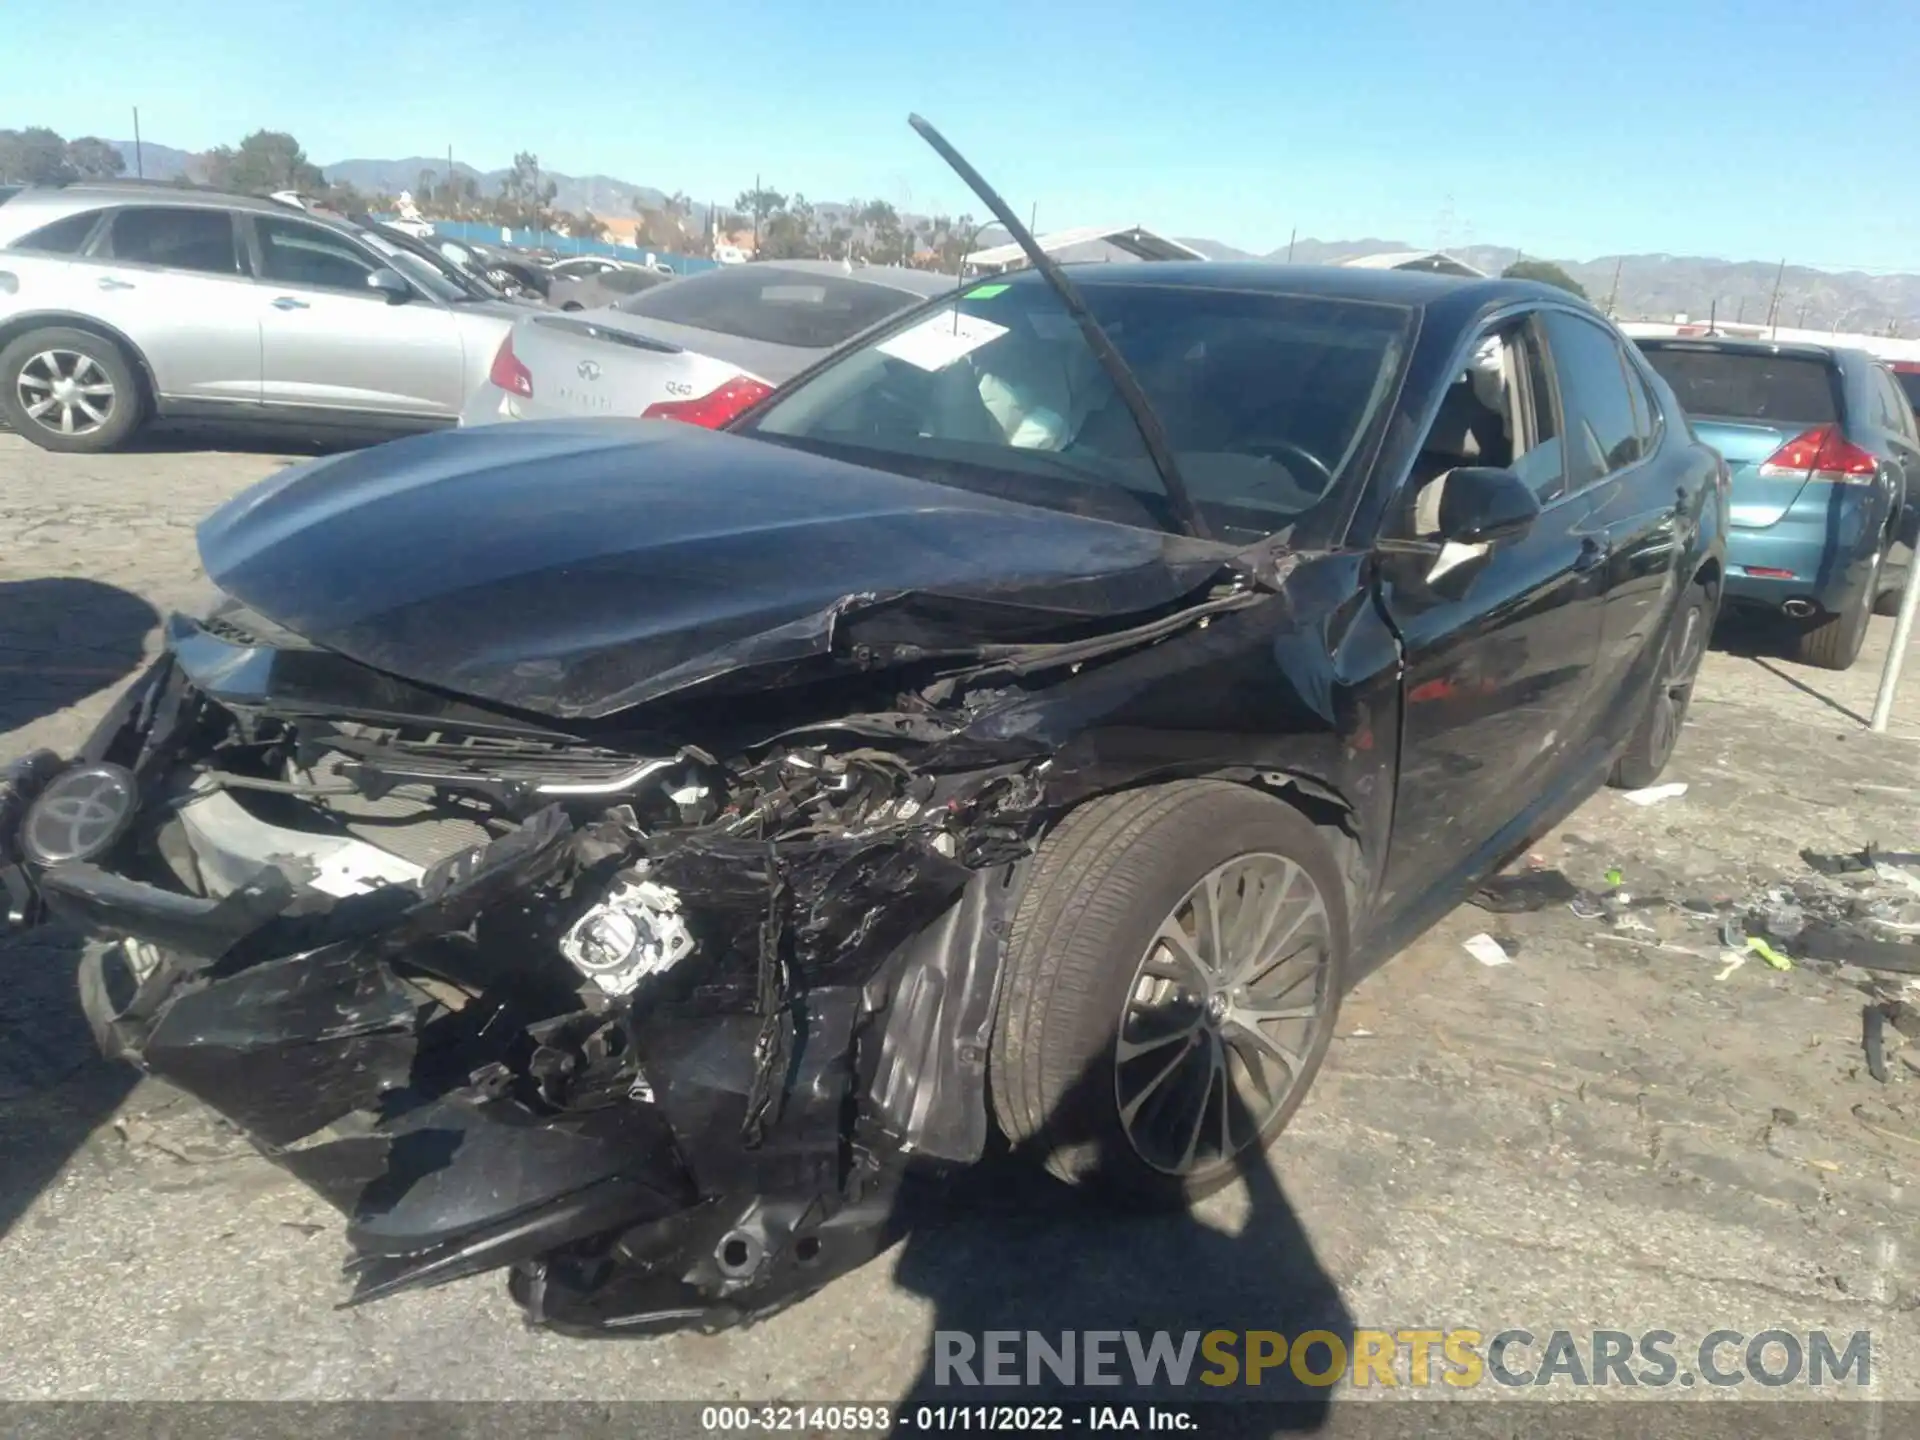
80	815
589	370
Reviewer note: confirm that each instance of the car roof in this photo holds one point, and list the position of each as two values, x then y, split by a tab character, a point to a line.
1744	345
1416	289
86	194
893	277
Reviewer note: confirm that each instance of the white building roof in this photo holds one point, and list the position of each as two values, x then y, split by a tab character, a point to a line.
1438	261
1135	241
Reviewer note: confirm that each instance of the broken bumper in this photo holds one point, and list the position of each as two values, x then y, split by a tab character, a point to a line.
695	1155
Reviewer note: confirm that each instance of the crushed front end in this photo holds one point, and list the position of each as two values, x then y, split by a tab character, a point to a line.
656	1026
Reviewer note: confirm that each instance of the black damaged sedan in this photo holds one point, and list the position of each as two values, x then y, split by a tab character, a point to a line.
625	853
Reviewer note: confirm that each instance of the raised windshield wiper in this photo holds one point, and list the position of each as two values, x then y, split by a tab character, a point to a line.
1152	433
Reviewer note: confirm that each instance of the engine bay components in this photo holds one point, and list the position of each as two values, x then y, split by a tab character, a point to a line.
636	931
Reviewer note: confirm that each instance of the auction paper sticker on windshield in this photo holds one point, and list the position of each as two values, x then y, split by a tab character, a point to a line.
938	341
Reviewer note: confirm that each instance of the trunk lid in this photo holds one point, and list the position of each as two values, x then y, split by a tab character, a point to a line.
1758	500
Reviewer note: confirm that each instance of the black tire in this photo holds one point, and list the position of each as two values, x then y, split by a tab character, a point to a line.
1101	885
1835	642
94	356
1651	744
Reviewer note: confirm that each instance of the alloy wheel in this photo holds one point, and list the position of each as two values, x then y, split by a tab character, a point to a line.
65	391
1224	1010
1684	655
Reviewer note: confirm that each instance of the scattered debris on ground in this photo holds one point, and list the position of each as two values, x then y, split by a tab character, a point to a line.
1487	950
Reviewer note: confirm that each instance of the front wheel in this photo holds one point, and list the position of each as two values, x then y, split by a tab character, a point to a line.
1173	976
68	390
1658	731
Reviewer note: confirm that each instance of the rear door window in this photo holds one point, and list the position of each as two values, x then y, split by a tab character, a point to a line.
1909	383
777	307
1603	431
1736	385
180	239
1892	415
65	236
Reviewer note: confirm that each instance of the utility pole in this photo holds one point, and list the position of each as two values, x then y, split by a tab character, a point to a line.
1803	316
1292	235
1773	306
1740	314
1613	295
756	215
139	161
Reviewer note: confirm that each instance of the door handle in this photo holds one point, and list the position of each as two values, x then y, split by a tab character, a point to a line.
1593	554
107	282
287	302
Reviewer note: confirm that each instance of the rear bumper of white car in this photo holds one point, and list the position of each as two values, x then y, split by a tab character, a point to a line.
489	405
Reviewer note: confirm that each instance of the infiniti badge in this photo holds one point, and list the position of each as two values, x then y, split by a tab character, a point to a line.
79	815
589	370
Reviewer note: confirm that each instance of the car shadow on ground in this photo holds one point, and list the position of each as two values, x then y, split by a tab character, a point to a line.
184	437
1764	640
62	639
1003	1247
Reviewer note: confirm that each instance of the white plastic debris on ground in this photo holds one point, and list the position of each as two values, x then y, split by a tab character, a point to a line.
1486	950
1654	794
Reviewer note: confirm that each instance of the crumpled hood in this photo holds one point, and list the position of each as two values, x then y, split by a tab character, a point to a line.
576	568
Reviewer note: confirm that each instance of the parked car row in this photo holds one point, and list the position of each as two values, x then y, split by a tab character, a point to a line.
121	303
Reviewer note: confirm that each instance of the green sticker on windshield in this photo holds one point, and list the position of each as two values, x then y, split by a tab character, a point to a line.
984	292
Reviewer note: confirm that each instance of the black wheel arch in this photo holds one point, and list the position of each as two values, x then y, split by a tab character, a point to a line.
1333	815
18	325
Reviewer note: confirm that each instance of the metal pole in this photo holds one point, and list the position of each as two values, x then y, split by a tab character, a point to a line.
139	161
1613	295
1773	307
1292	235
1897	650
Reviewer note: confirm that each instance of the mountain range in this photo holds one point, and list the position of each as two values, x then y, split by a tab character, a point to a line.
1645	287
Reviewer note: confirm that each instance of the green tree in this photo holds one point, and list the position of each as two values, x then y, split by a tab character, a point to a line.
33	156
266	161
526	196
953	240
91	158
790	233
887	241
1546	272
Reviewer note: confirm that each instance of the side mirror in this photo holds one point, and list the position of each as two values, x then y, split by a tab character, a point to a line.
392	284
1482	505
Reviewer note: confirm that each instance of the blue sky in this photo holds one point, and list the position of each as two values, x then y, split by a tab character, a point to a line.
1749	129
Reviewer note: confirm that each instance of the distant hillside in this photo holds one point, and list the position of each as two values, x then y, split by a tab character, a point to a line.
1654	286
156	162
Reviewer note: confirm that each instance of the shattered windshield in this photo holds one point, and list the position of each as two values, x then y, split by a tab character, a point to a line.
1269	401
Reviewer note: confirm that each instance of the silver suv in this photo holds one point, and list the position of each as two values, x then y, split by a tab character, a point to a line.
122	301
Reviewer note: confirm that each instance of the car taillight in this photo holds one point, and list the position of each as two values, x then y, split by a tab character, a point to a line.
714	408
1822	454
508	373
